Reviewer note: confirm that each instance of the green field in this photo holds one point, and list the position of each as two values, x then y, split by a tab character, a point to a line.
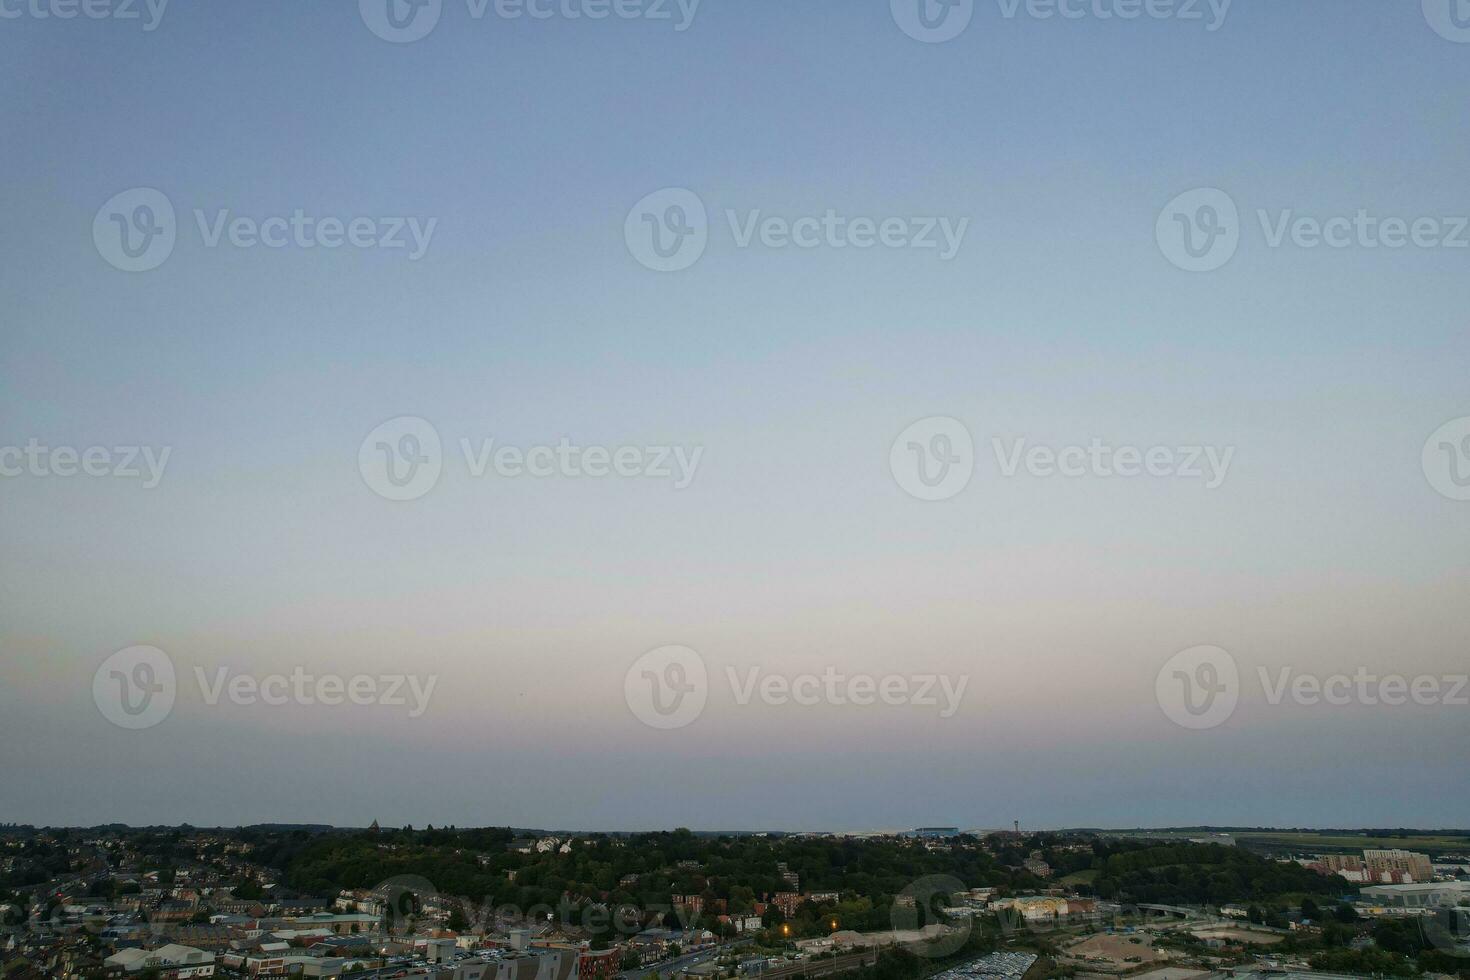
1297	842
1312	842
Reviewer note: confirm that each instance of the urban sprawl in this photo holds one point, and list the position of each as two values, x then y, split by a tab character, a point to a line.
282	902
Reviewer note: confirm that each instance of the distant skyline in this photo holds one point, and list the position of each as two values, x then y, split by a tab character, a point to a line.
852	475
710	832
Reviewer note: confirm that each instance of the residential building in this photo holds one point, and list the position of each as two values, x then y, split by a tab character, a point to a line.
1412	866
602	964
746	922
1037	866
787	902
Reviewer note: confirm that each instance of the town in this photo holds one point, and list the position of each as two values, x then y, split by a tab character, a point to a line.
320	903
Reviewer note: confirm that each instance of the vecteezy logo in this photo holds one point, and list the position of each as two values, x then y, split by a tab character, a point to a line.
404	898
1199	687
667	687
932	21
933	459
401	459
400	21
1447	930
1446	459
668	230
1449	18
135	688
135	230
1199	230
920	902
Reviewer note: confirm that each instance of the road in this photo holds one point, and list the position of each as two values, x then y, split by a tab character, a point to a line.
679	963
818	968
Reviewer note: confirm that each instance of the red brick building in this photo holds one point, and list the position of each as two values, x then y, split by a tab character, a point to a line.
598	964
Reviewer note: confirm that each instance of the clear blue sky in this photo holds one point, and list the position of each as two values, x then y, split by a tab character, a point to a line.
529	320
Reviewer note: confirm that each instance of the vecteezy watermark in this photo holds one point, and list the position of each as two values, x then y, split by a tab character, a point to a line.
1363	687
403	458
1210	464
1210	13
933	459
330	690
1449	18
405	21
836	688
136	688
145	463
937	21
1200	230
924	901
1447	929
668	688
412	904
1200	688
136	230
932	21
669	230
1446	459
149	12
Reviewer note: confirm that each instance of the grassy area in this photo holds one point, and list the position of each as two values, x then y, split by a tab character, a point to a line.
1286	841
1085	877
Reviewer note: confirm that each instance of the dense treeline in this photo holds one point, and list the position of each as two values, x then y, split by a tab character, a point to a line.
1202	874
642	871
1400	947
645	870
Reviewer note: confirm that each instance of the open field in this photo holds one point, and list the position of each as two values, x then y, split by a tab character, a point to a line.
1291	841
1113	952
1288	841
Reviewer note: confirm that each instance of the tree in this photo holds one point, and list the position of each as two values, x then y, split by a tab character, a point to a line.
457	921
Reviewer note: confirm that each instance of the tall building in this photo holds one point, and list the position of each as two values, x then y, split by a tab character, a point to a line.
787	902
1382	865
1342	862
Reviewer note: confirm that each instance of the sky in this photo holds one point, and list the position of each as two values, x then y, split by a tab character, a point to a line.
827	470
